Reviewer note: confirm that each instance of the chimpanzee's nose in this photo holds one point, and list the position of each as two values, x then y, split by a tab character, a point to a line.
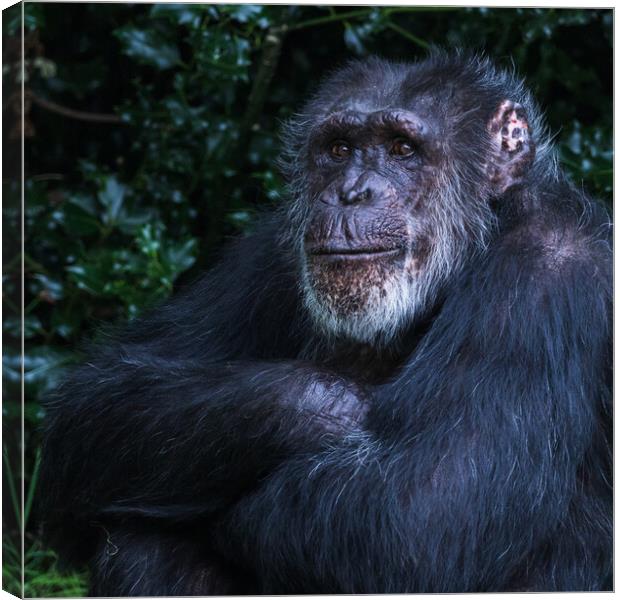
358	190
354	196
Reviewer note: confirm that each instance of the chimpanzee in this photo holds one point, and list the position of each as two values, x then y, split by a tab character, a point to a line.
399	383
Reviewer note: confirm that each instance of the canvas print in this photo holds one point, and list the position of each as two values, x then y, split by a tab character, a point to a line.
317	299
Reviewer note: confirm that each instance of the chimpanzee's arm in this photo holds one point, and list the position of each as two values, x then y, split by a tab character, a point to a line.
475	449
191	405
178	441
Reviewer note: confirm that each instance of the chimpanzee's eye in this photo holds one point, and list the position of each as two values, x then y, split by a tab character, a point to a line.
340	150
402	147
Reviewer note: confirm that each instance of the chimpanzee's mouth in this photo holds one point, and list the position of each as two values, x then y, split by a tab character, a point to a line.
353	253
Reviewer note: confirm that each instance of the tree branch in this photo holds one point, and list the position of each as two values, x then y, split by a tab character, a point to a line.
266	69
74	114
329	19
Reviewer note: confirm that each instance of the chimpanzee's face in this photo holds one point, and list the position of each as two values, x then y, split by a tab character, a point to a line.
391	200
369	232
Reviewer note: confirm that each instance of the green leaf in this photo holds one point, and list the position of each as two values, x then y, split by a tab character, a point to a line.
88	277
149	47
182	14
129	222
32	326
50	289
79	222
243	12
111	196
181	256
43	367
149	240
353	40
86	202
11	365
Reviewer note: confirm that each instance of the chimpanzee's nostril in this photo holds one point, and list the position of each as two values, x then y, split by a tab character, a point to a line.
354	196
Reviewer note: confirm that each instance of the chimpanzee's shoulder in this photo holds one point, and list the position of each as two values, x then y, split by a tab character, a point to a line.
564	231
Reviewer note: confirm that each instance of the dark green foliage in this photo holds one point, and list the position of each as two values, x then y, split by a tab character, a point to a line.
152	136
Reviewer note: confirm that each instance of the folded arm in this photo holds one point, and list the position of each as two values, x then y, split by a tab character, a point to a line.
187	408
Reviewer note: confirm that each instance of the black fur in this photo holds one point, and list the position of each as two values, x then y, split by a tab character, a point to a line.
220	445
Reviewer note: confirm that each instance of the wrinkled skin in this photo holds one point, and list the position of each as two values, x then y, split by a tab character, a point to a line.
366	226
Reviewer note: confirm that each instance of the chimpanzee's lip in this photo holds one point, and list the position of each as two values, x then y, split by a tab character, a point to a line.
353	253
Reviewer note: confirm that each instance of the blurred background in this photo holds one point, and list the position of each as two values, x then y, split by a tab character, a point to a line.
151	134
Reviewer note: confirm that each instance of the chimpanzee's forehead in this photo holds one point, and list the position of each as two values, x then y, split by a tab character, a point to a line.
384	91
436	93
425	105
362	123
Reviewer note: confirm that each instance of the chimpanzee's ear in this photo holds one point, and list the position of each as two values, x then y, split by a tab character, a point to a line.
512	150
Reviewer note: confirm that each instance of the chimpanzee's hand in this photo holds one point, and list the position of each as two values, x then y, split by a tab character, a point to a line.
336	405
